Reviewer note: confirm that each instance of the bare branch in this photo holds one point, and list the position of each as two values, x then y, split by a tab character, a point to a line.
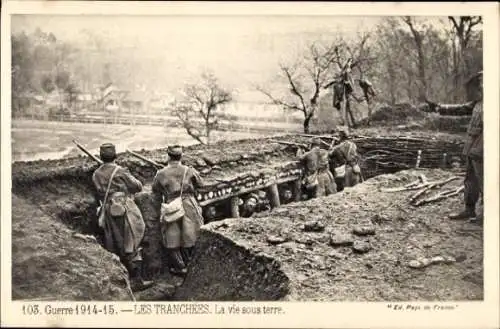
294	89
199	114
280	102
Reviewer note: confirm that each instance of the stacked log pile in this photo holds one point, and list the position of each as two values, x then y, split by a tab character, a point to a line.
247	182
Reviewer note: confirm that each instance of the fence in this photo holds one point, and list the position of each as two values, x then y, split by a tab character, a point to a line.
243	124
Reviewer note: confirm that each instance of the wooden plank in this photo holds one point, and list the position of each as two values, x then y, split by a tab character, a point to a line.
250	189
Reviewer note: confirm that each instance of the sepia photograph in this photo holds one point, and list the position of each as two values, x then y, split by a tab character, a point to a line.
246	158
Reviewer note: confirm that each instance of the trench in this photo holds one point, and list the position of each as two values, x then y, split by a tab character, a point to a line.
65	194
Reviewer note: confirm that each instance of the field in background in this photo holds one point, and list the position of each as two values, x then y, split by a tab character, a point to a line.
34	140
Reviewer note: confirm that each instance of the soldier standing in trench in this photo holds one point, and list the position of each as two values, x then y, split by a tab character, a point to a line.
317	179
180	236
345	153
121	219
473	153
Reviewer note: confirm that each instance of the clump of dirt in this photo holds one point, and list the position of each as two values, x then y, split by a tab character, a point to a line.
372	267
50	262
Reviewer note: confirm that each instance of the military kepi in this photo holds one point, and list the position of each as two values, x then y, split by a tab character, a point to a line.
174	150
107	150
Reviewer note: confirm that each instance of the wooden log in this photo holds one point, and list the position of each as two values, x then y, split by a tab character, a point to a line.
235	207
297	190
274	196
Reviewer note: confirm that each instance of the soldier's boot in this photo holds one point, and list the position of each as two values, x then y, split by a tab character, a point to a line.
187	254
137	283
468	213
478	219
176	263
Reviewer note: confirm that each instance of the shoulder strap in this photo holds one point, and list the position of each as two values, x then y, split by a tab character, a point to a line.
109	185
183	177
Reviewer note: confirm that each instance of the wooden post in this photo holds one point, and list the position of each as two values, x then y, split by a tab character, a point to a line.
274	196
419	155
444	161
297	190
235	207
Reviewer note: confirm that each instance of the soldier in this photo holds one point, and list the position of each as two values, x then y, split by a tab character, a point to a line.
180	236
345	153
317	179
255	202
119	216
249	206
473	154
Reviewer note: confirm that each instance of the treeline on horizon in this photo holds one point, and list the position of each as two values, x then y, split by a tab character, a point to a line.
409	60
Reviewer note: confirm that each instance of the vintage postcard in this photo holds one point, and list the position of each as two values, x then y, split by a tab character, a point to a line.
246	164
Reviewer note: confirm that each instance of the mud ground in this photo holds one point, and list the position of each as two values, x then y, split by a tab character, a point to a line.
318	271
50	262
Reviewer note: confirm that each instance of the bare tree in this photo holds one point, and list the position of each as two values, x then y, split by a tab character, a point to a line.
418	37
201	110
306	79
463	27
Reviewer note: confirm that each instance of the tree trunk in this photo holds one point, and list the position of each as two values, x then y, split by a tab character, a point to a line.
307	121
455	72
351	115
392	82
418	38
421	73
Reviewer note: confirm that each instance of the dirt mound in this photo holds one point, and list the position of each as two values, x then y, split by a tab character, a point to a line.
50	263
407	118
396	114
336	264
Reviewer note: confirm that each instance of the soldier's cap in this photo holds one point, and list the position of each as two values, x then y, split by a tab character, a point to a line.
252	201
315	141
174	150
107	149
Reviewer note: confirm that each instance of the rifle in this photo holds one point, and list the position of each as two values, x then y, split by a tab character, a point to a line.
299	145
319	136
151	162
332	138
84	150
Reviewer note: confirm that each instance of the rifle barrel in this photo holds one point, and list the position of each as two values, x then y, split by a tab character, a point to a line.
84	150
154	163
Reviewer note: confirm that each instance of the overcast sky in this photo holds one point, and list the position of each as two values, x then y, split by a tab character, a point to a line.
240	50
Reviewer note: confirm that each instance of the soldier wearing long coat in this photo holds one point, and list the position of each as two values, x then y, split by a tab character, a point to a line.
121	219
180	236
346	154
317	179
473	154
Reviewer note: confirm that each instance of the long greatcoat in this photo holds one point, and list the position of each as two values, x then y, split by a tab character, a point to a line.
124	234
166	187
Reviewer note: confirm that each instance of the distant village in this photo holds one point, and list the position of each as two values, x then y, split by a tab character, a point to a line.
102	99
112	101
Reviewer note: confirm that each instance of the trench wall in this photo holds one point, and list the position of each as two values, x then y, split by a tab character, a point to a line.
62	190
49	263
223	270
